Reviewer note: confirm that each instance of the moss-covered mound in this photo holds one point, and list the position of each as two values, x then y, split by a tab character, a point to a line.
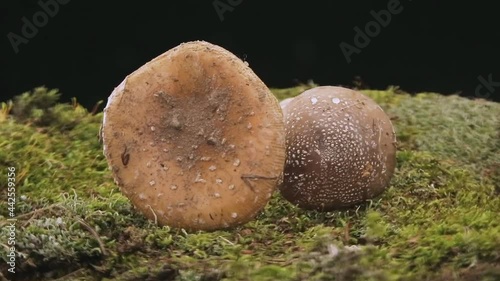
438	220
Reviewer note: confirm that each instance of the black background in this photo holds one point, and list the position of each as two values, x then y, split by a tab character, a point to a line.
88	47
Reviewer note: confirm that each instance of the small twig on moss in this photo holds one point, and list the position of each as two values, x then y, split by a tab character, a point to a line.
5	246
34	213
281	261
154	214
96	107
69	275
225	240
2	278
95	234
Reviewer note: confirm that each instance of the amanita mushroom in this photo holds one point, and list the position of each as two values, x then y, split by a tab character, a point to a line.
195	139
340	149
284	103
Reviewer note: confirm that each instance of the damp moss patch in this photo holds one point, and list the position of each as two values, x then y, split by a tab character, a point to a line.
438	220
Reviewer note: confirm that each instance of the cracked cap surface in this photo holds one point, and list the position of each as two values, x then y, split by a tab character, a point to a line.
195	139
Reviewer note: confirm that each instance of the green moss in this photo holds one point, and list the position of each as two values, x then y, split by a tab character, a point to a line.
282	94
464	131
438	220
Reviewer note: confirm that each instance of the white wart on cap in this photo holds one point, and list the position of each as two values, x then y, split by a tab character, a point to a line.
340	149
195	139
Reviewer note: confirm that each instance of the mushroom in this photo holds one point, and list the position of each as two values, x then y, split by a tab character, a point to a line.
340	149
284	103
195	139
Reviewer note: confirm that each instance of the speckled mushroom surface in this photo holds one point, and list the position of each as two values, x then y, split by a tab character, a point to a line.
195	139
284	103
340	149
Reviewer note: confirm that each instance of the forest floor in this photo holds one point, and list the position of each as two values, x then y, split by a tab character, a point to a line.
438	219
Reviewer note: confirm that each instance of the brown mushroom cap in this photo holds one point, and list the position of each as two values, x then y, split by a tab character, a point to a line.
340	149
195	139
284	103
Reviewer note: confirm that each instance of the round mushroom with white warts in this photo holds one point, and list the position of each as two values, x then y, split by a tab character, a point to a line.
195	139
340	149
284	103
